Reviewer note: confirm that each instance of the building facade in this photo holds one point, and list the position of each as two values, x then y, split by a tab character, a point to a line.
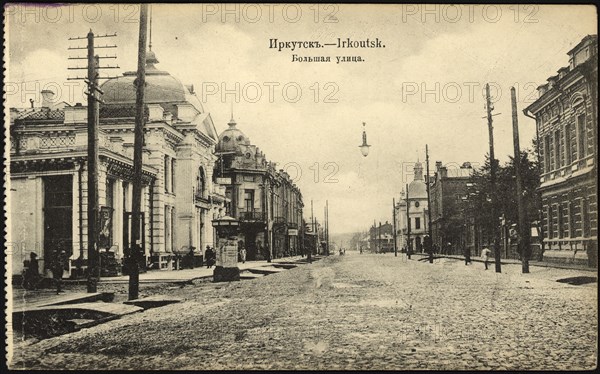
265	200
381	238
417	216
48	175
566	115
448	191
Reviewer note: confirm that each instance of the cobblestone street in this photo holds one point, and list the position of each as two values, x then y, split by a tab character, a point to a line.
349	312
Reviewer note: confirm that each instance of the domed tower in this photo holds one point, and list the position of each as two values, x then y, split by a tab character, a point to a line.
417	188
161	88
232	139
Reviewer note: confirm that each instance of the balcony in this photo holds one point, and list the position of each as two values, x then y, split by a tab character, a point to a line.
254	216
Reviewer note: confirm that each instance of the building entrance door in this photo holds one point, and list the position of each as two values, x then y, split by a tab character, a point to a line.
58	217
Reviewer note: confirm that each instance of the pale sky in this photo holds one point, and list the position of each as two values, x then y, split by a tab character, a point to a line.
424	87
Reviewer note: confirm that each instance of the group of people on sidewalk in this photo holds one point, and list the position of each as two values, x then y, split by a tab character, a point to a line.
32	279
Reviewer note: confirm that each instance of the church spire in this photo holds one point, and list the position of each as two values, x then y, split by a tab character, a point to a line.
418	170
232	121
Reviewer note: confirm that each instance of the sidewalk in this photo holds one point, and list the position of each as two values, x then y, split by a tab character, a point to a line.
187	275
509	261
28	300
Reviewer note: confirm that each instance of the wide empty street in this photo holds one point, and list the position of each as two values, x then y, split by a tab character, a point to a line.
358	311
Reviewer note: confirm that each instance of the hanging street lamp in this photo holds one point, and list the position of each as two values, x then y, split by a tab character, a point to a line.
364	147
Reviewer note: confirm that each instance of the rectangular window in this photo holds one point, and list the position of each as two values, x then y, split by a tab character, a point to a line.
549	227
249	200
571	213
581	136
568	155
172	227
417	223
167	229
559	220
173	162
547	163
557	158
585	217
166	174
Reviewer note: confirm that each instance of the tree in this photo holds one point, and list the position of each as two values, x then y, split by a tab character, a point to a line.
480	191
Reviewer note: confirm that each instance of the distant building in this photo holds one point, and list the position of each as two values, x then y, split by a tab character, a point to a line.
381	238
48	175
447	190
417	213
566	115
265	200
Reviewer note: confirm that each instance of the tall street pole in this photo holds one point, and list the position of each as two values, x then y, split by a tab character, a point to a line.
316	237
494	197
135	250
93	160
430	240
327	221
524	228
395	237
408	243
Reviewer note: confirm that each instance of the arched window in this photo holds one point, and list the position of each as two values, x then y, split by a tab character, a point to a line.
201	182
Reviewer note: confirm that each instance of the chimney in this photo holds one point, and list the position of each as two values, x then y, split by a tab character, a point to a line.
47	98
438	165
32	103
443	172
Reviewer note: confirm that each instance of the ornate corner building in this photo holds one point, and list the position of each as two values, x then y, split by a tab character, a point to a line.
566	115
265	200
48	174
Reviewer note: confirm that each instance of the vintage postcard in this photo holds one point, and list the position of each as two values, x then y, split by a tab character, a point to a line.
290	186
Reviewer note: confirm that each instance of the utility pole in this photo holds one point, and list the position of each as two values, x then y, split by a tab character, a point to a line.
327	225
489	109
408	243
312	220
524	229
135	252
93	118
379	238
430	240
395	237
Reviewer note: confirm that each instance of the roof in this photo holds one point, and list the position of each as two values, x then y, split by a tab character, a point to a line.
44	114
232	139
161	88
417	189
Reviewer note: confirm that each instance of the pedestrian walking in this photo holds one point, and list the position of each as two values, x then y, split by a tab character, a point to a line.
191	257
209	254
485	255
31	277
467	253
243	255
58	268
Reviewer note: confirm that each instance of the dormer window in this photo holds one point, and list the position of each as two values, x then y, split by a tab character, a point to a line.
240	138
226	138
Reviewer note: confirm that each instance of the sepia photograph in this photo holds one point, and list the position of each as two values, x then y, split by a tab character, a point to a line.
284	186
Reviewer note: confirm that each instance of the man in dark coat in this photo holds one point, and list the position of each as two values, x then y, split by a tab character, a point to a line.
210	254
57	269
32	274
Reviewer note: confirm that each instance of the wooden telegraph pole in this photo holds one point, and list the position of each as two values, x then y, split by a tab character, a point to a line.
430	241
494	197
140	83
524	228
93	118
327	225
395	236
408	243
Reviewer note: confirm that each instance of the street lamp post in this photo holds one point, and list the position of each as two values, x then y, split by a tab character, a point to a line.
364	147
